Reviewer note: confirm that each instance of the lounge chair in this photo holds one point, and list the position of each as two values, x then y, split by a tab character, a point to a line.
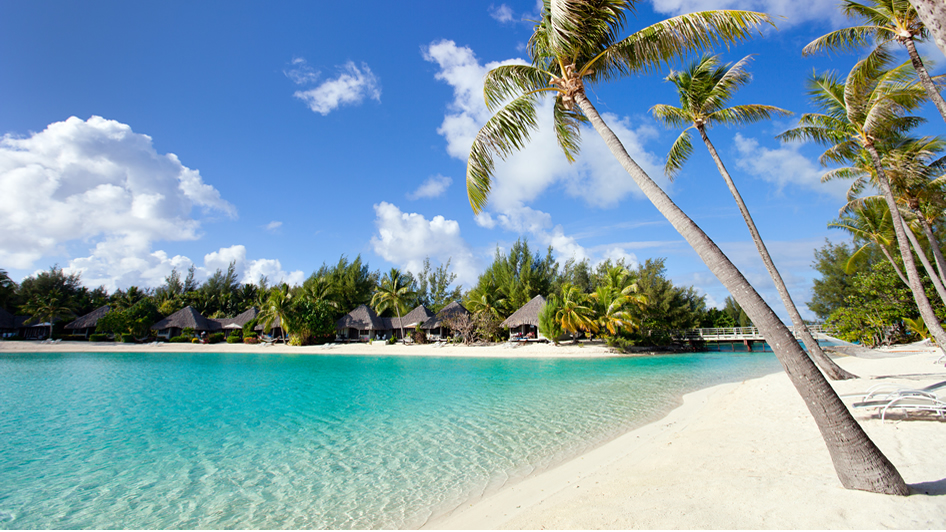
886	392
888	398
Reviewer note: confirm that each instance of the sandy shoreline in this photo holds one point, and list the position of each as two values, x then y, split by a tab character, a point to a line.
742	455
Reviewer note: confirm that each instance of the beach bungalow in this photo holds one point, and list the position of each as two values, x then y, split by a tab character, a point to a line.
85	325
408	322
361	324
523	325
435	327
236	323
185	318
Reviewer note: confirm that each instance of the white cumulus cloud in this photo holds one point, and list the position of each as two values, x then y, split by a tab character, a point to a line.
406	239
501	13
790	12
94	180
351	87
785	166
433	187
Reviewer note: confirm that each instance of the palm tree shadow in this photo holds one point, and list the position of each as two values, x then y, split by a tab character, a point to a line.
935	487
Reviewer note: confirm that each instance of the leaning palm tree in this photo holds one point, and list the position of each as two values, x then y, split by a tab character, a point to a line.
883	22
869	221
705	89
577	43
862	114
395	291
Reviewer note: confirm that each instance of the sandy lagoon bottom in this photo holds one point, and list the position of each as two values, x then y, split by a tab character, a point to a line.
157	440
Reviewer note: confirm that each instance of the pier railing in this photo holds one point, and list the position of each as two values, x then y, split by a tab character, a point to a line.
734	334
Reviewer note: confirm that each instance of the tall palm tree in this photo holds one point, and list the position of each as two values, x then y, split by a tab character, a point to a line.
863	113
395	291
705	88
577	42
488	299
574	313
48	307
277	306
883	21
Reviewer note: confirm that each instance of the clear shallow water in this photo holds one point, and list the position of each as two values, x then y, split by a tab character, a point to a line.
165	440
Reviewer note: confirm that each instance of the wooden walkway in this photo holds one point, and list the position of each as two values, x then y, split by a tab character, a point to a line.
738	334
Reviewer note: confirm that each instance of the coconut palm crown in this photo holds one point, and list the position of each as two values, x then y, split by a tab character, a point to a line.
882	23
705	87
577	43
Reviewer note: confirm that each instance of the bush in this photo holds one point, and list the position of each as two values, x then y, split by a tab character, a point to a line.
234	339
250	335
216	338
128	339
98	337
195	340
250	340
179	340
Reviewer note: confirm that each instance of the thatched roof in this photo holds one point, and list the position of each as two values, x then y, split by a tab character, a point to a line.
410	320
7	320
184	318
240	319
362	318
527	315
450	311
89	320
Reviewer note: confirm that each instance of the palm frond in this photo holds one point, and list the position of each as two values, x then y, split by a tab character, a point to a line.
671	116
509	81
507	131
568	128
843	40
747	114
651	48
679	153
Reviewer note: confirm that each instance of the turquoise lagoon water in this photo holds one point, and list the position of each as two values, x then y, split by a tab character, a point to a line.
165	440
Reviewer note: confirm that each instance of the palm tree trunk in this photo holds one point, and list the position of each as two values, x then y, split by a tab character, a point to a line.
919	295
893	263
937	283
934	245
831	369
858	463
933	15
925	79
396	309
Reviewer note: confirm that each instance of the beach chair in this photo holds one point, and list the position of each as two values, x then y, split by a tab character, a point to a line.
886	392
915	404
889	398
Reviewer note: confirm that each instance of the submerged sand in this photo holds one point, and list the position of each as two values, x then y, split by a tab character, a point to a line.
741	455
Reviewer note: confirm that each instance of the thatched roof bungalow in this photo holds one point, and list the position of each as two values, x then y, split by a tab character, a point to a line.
408	322
359	324
435	326
524	323
185	318
85	325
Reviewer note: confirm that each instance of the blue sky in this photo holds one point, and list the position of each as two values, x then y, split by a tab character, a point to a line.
139	137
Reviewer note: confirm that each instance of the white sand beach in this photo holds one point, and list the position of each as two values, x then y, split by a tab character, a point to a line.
741	455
